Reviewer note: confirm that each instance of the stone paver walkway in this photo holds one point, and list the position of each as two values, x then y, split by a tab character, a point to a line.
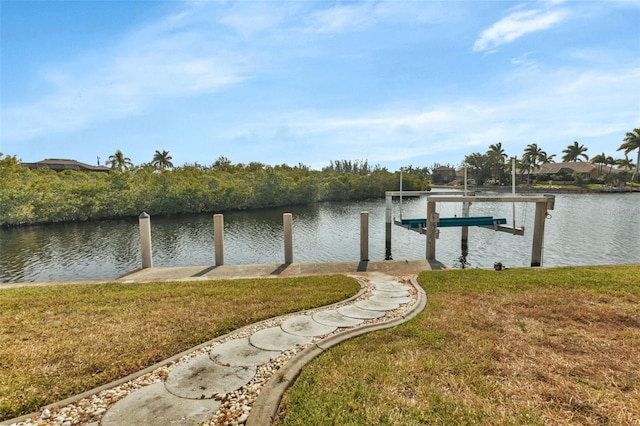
240	378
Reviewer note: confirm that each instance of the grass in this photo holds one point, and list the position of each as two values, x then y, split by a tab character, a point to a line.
554	346
60	340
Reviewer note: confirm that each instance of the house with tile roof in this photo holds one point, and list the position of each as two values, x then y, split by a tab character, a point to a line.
547	170
59	164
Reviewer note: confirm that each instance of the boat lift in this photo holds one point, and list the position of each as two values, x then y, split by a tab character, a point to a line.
429	227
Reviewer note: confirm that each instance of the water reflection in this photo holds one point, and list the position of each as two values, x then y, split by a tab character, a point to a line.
584	229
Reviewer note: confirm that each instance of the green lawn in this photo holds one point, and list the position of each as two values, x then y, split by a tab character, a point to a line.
60	340
557	346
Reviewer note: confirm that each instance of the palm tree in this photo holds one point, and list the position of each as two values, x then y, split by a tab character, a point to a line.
625	163
533	157
544	158
574	152
631	142
497	158
623	176
600	160
162	160
119	161
610	161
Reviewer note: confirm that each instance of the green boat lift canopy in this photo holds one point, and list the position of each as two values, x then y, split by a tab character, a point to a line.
453	221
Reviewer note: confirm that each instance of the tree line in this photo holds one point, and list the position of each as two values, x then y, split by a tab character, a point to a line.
495	164
31	196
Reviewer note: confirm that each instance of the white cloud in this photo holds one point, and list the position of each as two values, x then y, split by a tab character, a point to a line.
159	61
516	25
551	109
342	18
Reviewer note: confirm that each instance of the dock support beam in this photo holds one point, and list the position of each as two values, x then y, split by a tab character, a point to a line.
387	229
464	241
218	237
538	230
288	238
431	231
364	236
144	221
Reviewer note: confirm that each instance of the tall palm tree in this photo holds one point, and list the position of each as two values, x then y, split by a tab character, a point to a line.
162	160
600	160
574	152
625	163
119	161
631	142
623	176
544	158
610	161
497	158
533	157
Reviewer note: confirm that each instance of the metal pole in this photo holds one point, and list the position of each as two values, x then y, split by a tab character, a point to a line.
400	193
465	180
464	243
218	237
144	221
431	230
513	191
387	230
364	236
287	219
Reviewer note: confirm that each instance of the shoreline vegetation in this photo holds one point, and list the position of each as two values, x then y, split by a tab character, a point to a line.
43	196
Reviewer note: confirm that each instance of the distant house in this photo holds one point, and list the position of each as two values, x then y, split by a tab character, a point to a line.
443	174
547	170
59	165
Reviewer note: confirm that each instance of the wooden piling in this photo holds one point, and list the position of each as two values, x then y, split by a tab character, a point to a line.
387	229
144	221
364	236
218	237
287	219
431	231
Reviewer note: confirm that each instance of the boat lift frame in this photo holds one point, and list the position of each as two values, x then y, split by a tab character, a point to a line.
544	203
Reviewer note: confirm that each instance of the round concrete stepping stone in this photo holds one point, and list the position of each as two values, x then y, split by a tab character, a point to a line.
389	287
391	293
202	378
335	318
304	325
239	352
153	405
355	312
387	299
376	306
276	339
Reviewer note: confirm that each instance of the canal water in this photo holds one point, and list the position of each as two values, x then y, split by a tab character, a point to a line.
583	229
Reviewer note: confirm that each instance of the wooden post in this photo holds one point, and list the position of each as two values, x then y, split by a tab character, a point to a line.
288	238
538	233
144	221
364	236
387	230
464	243
218	237
431	231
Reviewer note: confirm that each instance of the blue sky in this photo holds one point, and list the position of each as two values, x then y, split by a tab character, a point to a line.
396	83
